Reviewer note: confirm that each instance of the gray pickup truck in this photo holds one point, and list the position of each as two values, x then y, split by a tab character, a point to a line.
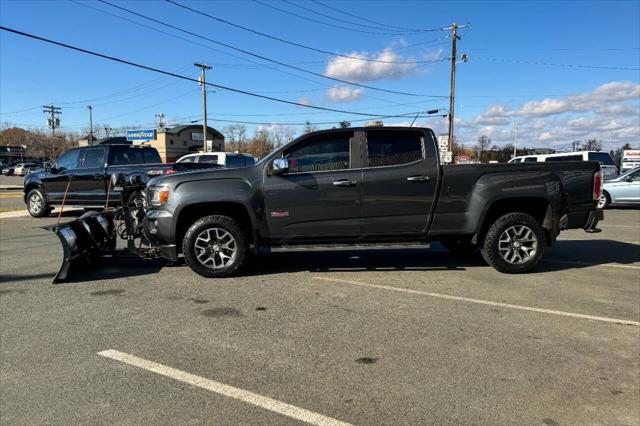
369	186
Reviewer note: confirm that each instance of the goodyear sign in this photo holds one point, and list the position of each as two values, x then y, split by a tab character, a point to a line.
141	135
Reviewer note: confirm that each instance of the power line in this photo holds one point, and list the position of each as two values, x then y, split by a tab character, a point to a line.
306	18
367	20
518	61
246	52
394	32
315	49
157	70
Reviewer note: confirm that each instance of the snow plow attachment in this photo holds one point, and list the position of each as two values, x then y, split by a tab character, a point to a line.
84	241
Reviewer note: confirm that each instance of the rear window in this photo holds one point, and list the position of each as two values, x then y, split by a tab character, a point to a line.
123	155
151	156
393	148
565	158
234	161
602	158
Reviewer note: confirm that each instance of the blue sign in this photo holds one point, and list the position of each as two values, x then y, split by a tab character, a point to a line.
141	135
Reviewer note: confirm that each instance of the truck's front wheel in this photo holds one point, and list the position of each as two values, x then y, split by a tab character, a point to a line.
514	244
215	246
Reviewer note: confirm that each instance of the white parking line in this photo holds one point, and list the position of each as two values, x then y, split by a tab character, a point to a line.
608	265
481	302
226	390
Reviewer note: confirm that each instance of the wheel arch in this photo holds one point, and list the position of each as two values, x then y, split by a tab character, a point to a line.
190	213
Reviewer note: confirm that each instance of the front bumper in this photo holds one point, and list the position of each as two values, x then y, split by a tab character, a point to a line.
592	220
158	230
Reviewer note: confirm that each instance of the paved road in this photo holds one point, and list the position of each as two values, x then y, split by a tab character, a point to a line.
387	337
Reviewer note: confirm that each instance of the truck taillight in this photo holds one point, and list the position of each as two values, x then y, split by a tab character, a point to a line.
597	185
168	172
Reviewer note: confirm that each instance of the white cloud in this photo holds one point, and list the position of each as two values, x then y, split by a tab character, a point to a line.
609	113
304	100
357	71
345	94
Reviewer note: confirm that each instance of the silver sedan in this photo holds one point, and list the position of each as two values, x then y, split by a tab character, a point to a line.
623	190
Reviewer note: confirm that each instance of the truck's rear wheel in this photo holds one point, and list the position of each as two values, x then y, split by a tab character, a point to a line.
514	244
36	204
215	246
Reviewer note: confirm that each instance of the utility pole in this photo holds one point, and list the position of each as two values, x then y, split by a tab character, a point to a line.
53	121
203	83
90	108
515	142
454	56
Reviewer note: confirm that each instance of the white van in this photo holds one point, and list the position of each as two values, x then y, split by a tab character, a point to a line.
225	159
608	166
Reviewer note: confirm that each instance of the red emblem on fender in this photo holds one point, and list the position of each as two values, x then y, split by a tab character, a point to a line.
279	214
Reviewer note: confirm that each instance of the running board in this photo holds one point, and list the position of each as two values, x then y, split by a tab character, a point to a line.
347	247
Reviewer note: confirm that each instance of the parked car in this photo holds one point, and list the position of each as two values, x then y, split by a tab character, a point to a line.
22	169
224	159
369	186
8	169
84	174
607	164
621	191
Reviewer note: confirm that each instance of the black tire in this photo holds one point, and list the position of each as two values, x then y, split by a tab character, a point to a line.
604	201
491	246
459	246
224	223
36	204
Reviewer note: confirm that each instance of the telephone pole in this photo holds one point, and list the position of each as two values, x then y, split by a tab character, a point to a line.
90	108
203	83
53	121
515	142
454	56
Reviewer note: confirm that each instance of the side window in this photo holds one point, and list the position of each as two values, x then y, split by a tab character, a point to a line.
635	177
92	158
325	153
68	160
151	156
188	159
565	158
393	148
531	160
209	159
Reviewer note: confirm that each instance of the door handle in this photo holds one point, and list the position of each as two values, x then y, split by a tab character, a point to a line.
344	182
418	178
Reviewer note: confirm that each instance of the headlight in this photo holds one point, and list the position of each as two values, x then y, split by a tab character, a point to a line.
158	196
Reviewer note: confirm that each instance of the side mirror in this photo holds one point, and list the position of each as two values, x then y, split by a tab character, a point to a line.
47	167
280	166
629	179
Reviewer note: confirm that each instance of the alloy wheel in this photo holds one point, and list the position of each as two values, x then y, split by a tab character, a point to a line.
215	248
517	244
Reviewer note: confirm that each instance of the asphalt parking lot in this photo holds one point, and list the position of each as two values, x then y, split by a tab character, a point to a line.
377	337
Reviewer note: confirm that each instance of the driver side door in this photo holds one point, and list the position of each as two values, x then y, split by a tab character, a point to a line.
319	198
63	173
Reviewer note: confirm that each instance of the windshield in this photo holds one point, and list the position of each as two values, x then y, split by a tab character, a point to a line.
602	158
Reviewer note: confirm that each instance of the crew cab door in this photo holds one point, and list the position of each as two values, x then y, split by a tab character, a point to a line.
91	176
62	173
400	177
319	197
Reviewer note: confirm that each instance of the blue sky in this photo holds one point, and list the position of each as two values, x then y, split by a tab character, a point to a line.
499	85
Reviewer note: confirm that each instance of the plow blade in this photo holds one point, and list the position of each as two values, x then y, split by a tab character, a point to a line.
84	241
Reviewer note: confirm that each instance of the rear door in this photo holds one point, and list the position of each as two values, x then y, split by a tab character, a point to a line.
319	198
91	177
399	182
